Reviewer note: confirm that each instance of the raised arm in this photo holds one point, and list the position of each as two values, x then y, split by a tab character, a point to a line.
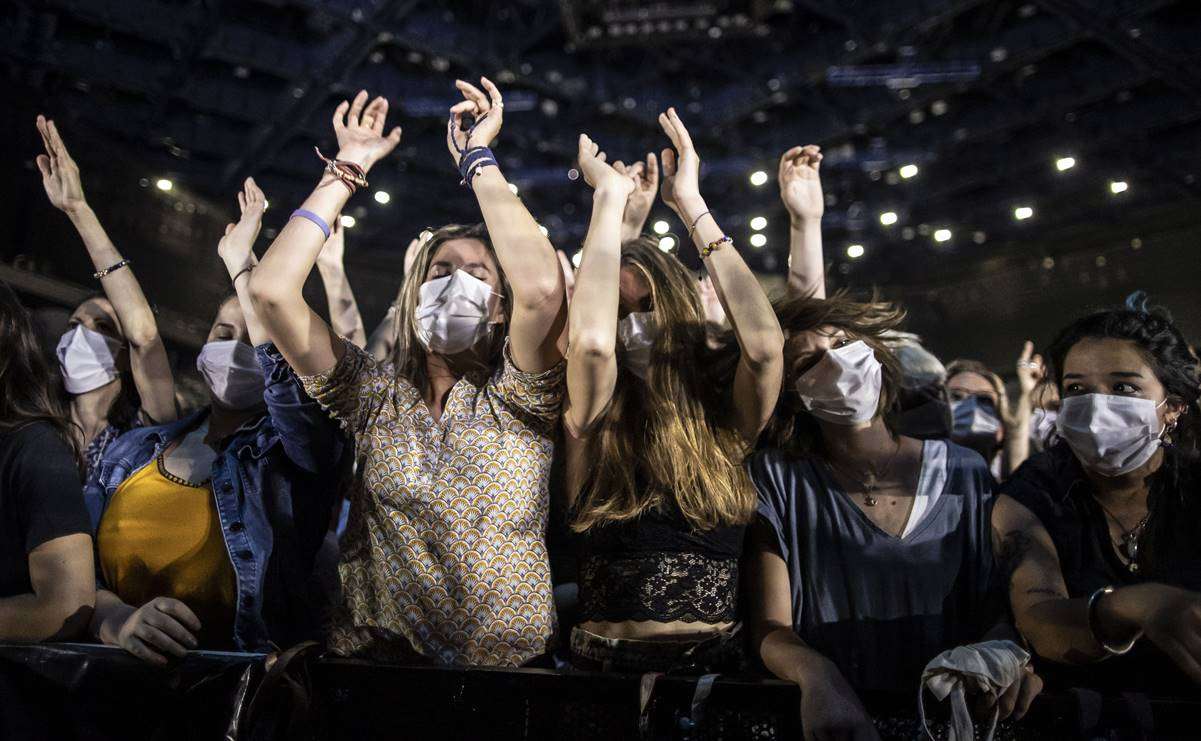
344	314
829	706
801	191
761	362
592	353
236	250
1058	627
276	285
646	186
148	361
1017	419
539	311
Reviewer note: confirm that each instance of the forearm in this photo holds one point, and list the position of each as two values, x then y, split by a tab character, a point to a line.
344	313
110	614
30	618
525	255
593	311
631	226
806	269
747	307
1017	434
240	275
788	657
120	286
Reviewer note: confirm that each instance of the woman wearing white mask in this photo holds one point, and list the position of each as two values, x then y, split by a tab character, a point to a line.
207	528
872	553
112	339
444	558
1102	532
657	431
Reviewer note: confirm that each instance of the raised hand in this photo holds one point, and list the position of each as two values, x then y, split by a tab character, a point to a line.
487	113
60	174
1030	370
681	169
646	182
235	246
360	130
600	174
800	184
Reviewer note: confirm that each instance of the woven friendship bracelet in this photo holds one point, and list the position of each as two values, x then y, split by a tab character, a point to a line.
352	175
101	273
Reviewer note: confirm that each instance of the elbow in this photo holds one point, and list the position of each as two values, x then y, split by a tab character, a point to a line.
68	616
265	294
143	335
763	351
540	294
590	346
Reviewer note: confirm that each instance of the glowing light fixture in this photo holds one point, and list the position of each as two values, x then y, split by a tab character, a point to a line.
164	184
382	197
855	251
942	235
1021	213
758	240
759	223
1065	163
888	218
661	227
758	178
907	171
1118	186
348	221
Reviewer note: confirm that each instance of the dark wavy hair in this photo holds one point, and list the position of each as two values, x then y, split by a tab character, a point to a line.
27	390
791	428
1173	507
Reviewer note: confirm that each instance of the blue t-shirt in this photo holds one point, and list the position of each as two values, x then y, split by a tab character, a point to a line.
877	605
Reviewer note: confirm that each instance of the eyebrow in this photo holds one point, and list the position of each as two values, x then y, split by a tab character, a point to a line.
226	325
1117	374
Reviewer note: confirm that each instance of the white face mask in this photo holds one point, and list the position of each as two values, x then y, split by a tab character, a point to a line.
87	359
844	386
1111	435
454	312
232	373
974	422
1042	424
637	333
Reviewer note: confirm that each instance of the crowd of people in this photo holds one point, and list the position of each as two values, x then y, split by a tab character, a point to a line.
729	483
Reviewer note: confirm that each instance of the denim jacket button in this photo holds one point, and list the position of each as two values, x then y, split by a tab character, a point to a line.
236	527
245	555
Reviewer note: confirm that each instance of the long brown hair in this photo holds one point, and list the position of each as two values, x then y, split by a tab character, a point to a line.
670	440
28	391
791	428
408	354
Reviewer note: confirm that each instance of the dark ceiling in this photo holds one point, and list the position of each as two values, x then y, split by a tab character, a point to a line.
983	97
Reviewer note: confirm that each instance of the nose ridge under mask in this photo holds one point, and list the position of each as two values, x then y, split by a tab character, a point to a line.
86	359
844	386
453	313
1112	435
231	371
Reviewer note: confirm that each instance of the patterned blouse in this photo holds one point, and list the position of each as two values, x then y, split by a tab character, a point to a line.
445	552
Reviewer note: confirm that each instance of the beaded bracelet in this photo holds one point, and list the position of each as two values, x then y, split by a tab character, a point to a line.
352	174
714	245
101	273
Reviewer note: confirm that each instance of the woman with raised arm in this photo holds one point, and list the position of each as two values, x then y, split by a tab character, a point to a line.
47	580
113	363
344	317
1100	532
657	431
871	553
443	558
207	528
801	191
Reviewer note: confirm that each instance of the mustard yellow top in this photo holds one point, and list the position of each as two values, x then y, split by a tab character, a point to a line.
161	537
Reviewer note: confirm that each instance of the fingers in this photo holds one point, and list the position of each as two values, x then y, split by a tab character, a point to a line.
44	132
494	97
43	163
465	106
228	228
394	135
375	114
652	171
253	191
356	109
60	149
472	93
1027	351
669	162
620	167
340	117
1008	700
1032	685
669	128
138	648
179	611
685	138
160	641
242	203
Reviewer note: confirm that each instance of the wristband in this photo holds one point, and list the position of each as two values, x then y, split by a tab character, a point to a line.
714	245
696	221
240	273
306	214
101	273
1093	601
473	161
352	174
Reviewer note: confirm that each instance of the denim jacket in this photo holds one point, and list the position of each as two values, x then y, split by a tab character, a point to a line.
275	484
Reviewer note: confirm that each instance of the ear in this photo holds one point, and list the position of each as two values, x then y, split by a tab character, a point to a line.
1174	409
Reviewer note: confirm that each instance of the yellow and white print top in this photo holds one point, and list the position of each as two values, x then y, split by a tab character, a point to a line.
445	547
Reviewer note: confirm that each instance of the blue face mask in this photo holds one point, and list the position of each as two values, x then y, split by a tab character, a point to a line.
974	422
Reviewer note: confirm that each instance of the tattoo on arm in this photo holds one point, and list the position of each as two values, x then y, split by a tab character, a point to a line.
1015	546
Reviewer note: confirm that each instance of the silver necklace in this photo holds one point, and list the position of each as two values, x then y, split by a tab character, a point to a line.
1128	547
872	480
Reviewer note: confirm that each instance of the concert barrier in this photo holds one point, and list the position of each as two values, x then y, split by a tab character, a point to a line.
81	691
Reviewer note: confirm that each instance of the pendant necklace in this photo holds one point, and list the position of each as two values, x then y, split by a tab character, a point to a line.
872	480
1128	548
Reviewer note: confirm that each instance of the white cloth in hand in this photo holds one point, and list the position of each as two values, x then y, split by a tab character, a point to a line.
990	667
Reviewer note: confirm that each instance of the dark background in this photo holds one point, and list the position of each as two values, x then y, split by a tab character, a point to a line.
982	96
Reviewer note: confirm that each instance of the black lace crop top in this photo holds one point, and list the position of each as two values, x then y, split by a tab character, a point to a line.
656	568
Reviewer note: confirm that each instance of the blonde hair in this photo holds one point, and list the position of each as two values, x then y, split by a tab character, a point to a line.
668	441
408	354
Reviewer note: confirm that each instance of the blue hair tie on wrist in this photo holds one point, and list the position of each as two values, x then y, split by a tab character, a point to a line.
472	160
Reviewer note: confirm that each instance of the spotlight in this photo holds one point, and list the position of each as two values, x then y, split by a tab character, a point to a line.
513	187
855	251
1021	213
667	243
759	223
1118	186
164	184
888	218
382	197
347	221
758	177
908	171
1065	163
544	230
575	259
758	240
661	227
942	235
